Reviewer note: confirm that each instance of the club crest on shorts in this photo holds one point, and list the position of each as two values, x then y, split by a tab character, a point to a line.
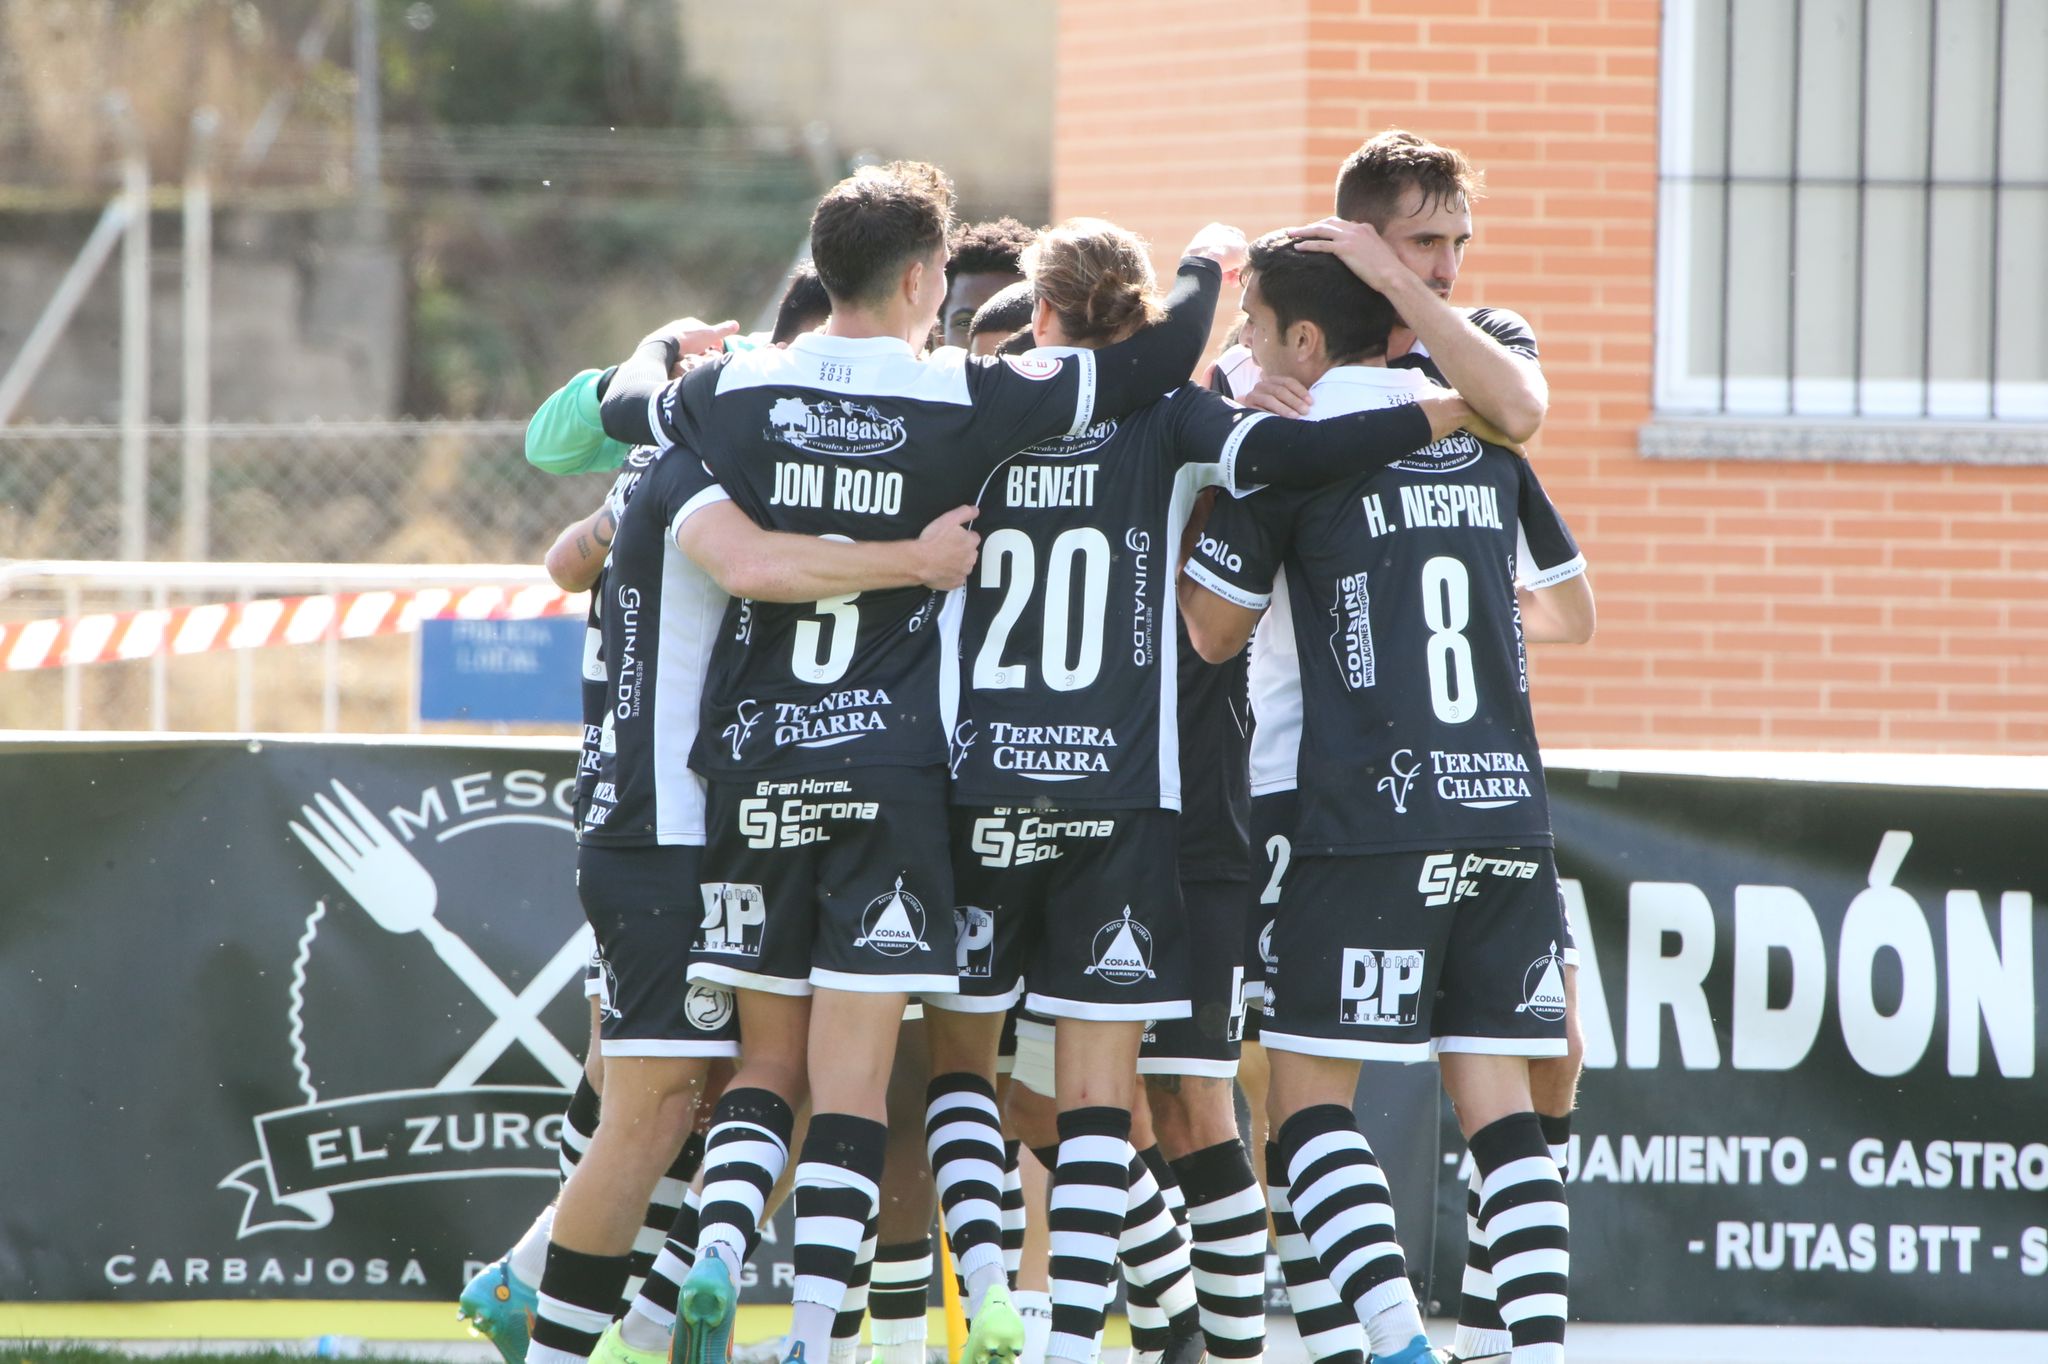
1123	951
1543	988
977	948
893	924
707	1007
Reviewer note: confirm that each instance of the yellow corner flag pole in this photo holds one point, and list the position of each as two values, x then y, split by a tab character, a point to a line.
956	1311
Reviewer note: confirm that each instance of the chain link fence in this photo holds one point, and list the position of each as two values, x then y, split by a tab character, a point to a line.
333	492
369	492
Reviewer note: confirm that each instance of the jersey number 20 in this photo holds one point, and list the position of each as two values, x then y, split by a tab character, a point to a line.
1010	550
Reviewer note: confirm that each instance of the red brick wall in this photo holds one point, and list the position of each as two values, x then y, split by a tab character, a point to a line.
1742	604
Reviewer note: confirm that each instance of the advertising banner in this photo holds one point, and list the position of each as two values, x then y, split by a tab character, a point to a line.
1812	1041
298	1019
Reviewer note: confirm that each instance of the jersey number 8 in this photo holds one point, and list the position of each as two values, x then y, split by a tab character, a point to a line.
1447	609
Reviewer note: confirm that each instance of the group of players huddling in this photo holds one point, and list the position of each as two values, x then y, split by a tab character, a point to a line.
933	809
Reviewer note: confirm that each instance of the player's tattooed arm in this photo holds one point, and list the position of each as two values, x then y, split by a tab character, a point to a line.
1559	614
776	566
578	553
1509	389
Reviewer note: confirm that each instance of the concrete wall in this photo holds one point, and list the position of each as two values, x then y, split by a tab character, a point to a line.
966	86
1742	604
306	324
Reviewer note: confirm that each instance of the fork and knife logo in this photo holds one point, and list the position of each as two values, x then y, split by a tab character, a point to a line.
381	874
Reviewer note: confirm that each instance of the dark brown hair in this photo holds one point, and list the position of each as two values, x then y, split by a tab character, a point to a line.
1373	179
990	248
1314	286
1097	278
876	221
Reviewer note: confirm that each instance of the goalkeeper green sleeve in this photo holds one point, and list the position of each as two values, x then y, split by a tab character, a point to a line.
566	435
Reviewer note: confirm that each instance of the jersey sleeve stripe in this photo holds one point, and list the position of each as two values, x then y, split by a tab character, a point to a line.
1229	591
1551	577
1232	445
710	496
654	421
1084	397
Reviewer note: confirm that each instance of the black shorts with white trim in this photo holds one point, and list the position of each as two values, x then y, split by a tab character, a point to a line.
1206	1042
838	881
1084	905
1401	956
642	903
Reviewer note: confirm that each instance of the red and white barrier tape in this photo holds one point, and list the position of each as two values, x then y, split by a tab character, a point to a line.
111	637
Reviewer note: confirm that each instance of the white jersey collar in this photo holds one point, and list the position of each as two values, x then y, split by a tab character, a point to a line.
821	344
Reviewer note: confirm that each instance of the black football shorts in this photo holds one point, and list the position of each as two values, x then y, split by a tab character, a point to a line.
840	881
1401	956
642	904
1083	905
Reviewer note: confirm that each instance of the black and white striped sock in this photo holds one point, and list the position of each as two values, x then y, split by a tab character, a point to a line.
1330	1331
653	1314
662	1208
964	1136
1159	1275
1090	1194
1526	1227
1013	1213
838	1187
898	1298
1557	1135
577	1295
1481	1332
578	1124
744	1153
1227	1228
859	1296
1341	1202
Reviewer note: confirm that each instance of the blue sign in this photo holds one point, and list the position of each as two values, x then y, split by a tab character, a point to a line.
511	671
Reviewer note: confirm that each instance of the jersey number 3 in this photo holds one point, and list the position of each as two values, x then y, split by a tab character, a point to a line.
1010	551
811	660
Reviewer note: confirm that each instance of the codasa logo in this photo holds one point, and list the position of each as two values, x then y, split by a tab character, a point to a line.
1543	987
419	881
834	426
893	924
1123	951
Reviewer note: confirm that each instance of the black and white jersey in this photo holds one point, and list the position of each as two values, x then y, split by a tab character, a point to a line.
596	693
1510	329
659	618
864	440
1273	680
1415	728
1069	642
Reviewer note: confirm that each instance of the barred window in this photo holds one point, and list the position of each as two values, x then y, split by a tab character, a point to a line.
1853	210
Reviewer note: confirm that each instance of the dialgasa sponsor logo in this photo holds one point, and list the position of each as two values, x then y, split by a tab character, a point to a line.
834	426
1458	450
1078	443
